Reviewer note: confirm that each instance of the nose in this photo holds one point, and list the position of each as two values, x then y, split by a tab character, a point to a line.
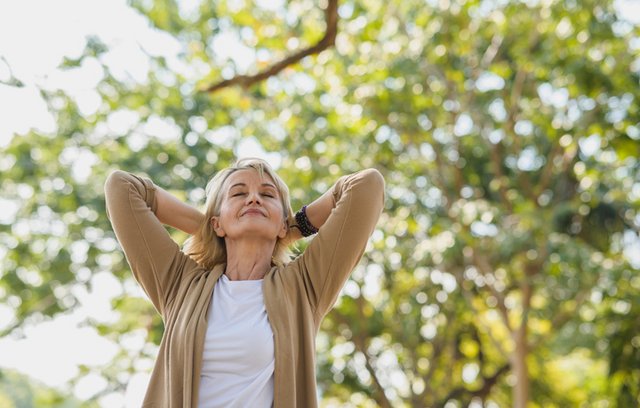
253	197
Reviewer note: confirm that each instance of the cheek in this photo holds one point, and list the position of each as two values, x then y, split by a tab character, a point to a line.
279	211
226	214
229	204
225	211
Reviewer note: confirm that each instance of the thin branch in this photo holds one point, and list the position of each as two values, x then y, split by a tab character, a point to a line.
511	98
380	398
440	181
455	115
487	58
329	39
547	171
482	392
485	269
565	155
40	307
527	292
516	91
12	81
497	169
438	348
511	101
490	334
531	269
491	51
359	340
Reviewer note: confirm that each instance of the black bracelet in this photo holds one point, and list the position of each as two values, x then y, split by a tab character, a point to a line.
304	225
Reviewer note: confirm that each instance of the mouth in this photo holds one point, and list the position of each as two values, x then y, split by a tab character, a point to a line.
253	212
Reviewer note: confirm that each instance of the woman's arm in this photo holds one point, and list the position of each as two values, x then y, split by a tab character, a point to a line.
346	215
155	259
317	212
177	214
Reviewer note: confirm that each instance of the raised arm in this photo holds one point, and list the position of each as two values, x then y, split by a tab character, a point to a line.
317	212
155	259
346	216
177	214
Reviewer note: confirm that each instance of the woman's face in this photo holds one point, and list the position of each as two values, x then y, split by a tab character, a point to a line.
251	207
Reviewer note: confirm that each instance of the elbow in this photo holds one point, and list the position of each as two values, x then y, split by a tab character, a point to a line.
374	181
112	188
374	178
120	185
115	183
114	178
369	185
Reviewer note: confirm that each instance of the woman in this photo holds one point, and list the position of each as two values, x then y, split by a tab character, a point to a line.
240	317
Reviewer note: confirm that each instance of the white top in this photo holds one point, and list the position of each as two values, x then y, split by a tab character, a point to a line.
238	357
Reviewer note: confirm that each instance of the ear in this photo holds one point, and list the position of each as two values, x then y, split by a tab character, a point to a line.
215	224
284	230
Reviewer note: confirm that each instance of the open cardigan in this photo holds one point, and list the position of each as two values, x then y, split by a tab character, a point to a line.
297	296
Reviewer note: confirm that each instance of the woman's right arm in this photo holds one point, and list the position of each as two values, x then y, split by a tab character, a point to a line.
155	259
177	214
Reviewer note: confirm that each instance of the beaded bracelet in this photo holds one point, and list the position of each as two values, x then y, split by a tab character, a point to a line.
305	227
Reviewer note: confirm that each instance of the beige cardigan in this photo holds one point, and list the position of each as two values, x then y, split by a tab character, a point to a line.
297	296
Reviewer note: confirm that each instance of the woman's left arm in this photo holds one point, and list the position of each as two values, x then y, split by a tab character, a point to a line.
346	216
317	213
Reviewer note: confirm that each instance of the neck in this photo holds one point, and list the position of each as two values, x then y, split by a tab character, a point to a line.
248	259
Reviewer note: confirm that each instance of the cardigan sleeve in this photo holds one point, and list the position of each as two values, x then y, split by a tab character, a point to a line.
155	259
337	248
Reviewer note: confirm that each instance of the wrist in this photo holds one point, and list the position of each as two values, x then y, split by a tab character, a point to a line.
303	224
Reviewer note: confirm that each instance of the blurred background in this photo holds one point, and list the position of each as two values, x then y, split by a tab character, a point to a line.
504	270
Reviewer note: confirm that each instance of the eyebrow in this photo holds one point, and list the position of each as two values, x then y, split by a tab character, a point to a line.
244	185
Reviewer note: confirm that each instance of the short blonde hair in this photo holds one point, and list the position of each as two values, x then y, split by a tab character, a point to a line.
206	247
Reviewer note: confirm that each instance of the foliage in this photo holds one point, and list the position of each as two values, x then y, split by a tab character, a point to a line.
19	391
507	133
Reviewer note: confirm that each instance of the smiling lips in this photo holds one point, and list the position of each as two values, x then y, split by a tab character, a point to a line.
253	211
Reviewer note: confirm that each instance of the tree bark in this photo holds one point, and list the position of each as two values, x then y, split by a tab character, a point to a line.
520	368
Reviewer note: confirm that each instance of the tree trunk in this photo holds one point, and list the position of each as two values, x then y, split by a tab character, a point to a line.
520	369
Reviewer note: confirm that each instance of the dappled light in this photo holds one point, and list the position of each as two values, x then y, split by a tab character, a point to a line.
503	270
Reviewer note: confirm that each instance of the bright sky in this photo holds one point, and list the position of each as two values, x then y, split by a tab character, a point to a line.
35	36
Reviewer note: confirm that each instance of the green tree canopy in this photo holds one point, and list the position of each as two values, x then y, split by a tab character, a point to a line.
507	132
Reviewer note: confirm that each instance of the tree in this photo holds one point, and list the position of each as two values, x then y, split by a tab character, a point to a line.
19	391
507	133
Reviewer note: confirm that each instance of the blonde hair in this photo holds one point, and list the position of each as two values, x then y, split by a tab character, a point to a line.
207	248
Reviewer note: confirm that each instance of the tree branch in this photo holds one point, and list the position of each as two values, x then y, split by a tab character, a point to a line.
491	51
440	180
438	347
497	169
485	269
380	397
12	81
494	340
482	392
359	340
329	39
562	317
547	171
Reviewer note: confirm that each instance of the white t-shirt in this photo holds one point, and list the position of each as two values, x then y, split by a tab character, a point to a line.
238	358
